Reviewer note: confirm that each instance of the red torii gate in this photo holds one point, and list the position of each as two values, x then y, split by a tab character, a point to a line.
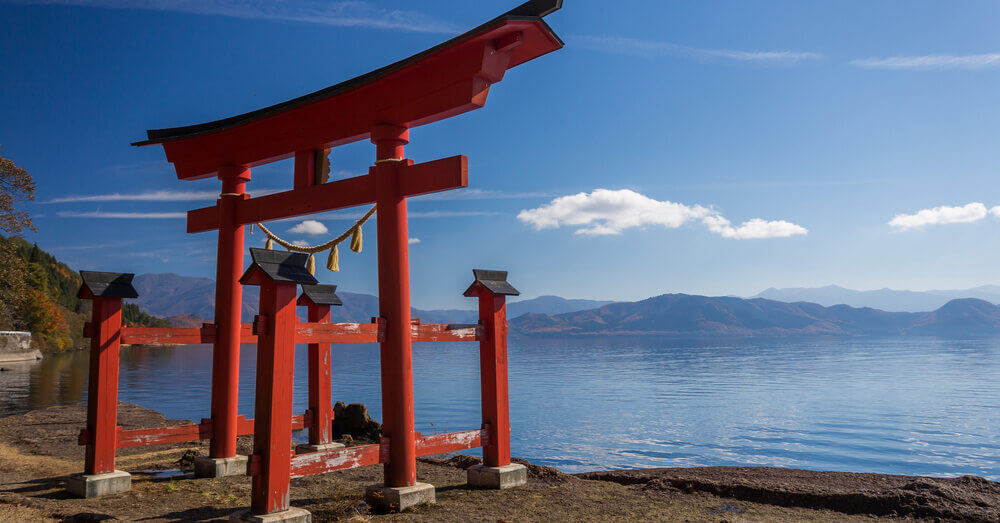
444	81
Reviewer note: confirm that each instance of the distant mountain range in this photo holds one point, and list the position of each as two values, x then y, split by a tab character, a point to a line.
883	299
183	299
188	301
686	315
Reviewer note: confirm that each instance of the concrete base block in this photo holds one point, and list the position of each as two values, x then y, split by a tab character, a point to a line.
398	499
20	357
205	467
91	486
507	476
294	515
307	448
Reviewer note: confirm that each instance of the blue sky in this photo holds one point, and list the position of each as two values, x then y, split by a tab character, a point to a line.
701	147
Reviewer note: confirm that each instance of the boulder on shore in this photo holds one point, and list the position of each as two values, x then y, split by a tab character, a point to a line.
353	420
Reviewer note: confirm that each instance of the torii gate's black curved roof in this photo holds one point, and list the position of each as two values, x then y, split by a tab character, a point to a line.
533	10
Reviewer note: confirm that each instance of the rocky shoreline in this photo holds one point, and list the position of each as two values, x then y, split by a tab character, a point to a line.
38	450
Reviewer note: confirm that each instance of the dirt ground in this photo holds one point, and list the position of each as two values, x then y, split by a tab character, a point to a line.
38	450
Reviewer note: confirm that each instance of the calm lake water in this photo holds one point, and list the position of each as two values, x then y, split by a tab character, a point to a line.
900	405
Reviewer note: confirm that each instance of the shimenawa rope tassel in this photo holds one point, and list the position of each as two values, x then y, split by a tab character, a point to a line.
333	261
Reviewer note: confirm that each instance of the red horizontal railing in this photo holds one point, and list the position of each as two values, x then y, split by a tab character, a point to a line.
321	462
304	333
181	433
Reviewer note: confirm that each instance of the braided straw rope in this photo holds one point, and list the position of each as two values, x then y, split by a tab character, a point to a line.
333	261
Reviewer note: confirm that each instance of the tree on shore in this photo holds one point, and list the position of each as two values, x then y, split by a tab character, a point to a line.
16	186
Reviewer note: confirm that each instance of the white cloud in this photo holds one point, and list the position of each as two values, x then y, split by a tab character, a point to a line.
610	212
312	227
606	212
351	13
123	215
930	62
633	46
754	229
413	241
969	213
151	196
301	243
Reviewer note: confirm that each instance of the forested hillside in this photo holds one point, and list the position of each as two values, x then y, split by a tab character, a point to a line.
50	308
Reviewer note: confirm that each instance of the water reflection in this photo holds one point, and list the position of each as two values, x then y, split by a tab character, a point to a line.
895	405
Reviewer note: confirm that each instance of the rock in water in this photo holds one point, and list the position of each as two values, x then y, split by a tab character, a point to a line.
353	420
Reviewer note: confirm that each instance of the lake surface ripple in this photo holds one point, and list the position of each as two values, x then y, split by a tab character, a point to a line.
924	406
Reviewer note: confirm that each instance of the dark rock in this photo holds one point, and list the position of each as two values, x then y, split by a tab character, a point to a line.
87	517
187	460
354	420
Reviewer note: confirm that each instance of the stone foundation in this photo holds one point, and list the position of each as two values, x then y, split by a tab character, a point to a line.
398	499
205	467
92	486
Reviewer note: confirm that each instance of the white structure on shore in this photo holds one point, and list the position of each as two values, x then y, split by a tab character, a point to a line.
16	346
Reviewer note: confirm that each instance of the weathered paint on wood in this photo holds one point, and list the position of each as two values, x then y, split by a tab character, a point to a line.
338	459
180	433
352	457
451	442
305	333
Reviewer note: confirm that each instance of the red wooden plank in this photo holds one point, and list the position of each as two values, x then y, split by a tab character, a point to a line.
431	332
434	176
416	179
338	459
181	433
167	336
352	457
305	333
163	435
337	333
451	442
340	194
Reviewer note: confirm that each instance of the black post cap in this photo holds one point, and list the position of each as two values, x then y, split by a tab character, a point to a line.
320	295
493	281
107	285
280	266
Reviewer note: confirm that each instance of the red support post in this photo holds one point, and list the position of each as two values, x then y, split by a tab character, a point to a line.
493	381
320	394
102	399
273	410
228	308
394	307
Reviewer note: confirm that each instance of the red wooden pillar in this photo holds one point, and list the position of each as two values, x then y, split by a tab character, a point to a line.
320	395
228	308
102	399
394	307
492	289
277	273
319	299
106	289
